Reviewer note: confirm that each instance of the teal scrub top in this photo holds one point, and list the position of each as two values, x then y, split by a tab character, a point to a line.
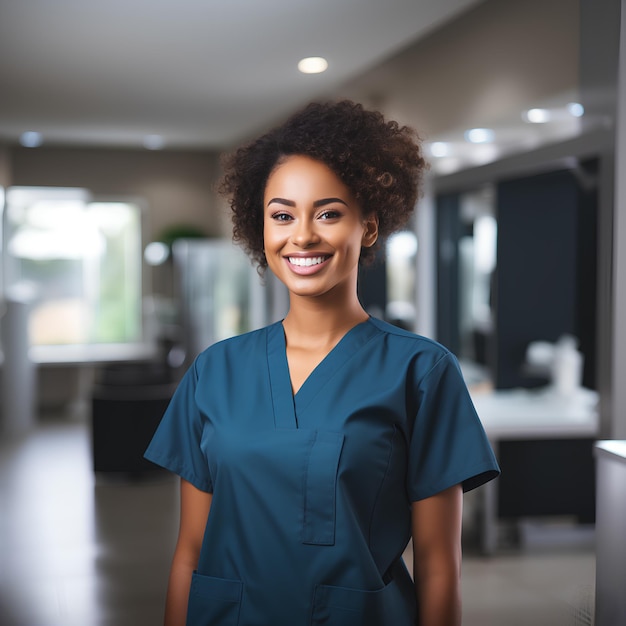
312	493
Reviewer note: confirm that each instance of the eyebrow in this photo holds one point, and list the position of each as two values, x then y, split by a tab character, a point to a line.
316	204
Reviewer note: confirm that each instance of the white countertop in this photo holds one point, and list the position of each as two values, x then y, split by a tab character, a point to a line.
614	449
535	414
91	354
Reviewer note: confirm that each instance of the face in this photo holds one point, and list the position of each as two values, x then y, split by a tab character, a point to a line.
313	228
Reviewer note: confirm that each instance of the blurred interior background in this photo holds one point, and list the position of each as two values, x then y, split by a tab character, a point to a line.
117	269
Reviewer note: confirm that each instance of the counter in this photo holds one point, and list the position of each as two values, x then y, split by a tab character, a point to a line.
544	444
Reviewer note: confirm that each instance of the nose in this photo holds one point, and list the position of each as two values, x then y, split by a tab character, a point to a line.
304	234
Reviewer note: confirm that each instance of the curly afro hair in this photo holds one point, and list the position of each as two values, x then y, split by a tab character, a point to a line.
381	162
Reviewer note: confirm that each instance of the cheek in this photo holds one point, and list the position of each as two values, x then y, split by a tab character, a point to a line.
355	240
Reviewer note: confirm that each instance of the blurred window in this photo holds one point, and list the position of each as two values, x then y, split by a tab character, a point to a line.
81	260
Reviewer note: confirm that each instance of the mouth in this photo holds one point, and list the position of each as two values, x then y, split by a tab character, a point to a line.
307	261
304	265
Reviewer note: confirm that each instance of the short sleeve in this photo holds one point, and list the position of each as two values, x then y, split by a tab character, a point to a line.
448	445
176	444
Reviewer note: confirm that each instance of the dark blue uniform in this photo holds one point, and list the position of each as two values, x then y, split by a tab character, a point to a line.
312	493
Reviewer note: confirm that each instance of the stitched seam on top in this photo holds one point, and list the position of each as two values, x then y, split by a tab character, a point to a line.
380	487
430	371
305	480
269	375
339	369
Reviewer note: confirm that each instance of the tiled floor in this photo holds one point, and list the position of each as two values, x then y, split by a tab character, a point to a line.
76	551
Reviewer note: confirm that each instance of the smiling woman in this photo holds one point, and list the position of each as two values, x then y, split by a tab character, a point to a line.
311	451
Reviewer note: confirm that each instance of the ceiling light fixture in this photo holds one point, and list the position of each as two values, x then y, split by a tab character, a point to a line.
439	149
576	109
536	116
479	135
153	142
313	65
31	139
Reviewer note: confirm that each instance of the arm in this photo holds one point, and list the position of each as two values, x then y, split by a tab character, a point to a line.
436	531
194	512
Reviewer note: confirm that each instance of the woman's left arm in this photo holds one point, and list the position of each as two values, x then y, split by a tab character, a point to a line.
436	532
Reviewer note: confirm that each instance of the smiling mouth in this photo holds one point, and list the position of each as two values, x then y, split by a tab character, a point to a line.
307	261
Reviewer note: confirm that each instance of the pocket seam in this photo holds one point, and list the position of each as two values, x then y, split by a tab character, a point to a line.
211	591
318	529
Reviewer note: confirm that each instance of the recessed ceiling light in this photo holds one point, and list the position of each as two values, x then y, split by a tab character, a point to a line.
576	109
153	142
313	65
479	135
439	149
537	116
31	139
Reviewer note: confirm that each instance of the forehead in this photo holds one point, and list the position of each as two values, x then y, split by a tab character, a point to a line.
302	174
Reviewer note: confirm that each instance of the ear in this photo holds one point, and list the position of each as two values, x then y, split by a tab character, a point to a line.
370	230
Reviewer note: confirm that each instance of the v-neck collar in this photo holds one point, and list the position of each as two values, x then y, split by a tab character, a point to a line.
286	404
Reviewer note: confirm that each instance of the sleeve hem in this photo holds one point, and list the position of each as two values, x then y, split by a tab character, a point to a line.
175	468
469	480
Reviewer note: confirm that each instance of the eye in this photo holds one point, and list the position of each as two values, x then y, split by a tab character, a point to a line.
330	214
281	216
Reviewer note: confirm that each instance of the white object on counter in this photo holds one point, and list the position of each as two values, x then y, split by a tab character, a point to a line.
567	366
562	362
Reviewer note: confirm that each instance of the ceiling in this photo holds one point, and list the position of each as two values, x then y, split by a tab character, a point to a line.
199	73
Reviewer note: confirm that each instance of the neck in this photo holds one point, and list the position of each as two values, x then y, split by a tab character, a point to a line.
320	320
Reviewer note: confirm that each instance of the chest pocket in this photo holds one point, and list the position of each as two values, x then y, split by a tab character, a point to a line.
320	488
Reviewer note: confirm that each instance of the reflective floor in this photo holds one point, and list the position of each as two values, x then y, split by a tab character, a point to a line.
81	551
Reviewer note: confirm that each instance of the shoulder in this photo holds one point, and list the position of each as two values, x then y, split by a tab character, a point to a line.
237	343
238	348
422	358
406	340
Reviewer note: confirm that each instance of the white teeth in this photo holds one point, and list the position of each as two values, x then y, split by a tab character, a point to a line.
306	261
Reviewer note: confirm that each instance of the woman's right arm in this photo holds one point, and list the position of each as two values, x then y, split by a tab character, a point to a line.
194	512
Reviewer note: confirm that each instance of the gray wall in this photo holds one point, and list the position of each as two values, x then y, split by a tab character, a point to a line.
177	186
619	251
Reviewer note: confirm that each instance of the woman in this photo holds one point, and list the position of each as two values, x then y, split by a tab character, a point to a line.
312	450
